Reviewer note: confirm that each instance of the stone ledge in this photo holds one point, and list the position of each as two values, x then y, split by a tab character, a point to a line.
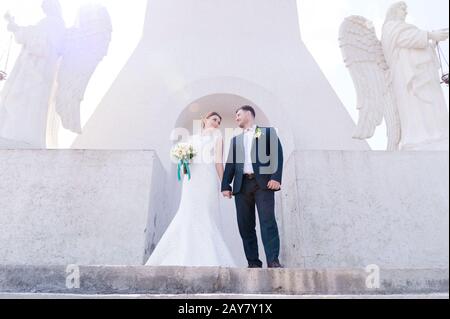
6	144
139	280
79	206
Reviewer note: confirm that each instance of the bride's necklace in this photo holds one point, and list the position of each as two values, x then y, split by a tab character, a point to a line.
206	133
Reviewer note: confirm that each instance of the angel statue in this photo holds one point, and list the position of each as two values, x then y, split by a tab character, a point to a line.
397	79
51	73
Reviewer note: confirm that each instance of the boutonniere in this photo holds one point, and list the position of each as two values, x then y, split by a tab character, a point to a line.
258	133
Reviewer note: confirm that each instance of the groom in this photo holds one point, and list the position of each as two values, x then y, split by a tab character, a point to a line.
255	163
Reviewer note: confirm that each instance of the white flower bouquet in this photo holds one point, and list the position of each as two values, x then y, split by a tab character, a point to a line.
184	153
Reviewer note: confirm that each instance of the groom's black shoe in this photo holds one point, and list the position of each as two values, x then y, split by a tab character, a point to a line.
254	266
275	264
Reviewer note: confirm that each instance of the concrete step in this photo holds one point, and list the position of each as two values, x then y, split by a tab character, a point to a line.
151	281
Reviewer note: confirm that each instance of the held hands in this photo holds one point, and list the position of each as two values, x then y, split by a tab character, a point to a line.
227	194
439	36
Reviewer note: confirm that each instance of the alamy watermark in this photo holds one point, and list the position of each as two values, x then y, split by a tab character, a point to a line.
73	277
268	154
373	279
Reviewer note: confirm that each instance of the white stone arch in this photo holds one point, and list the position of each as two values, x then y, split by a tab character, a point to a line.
270	112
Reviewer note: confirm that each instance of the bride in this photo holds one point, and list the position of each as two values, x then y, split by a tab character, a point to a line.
193	239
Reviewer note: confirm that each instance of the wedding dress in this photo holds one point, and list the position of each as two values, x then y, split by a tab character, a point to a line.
193	239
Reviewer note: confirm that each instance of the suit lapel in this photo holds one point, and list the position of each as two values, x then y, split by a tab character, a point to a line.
254	147
240	149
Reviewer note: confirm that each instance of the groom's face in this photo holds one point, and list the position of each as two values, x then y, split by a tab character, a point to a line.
242	118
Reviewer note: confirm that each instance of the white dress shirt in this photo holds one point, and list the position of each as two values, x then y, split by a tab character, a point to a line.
249	136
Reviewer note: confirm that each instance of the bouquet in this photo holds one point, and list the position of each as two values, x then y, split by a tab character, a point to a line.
184	153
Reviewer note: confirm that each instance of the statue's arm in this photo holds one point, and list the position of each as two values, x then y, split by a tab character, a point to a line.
21	34
12	25
438	36
33	38
413	38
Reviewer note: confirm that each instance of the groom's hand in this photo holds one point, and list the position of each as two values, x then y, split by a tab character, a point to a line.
274	186
227	194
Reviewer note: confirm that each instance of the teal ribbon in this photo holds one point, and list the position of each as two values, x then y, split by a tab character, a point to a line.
185	165
188	169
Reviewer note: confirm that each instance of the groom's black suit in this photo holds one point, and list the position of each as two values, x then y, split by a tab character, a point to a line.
252	190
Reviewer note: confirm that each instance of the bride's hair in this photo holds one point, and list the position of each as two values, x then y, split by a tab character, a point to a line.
208	116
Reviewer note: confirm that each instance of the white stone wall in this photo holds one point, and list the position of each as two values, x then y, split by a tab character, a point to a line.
353	209
84	207
337	209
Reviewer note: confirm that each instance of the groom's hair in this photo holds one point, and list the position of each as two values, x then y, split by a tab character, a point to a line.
247	108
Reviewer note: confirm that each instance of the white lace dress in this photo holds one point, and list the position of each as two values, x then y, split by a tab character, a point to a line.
193	239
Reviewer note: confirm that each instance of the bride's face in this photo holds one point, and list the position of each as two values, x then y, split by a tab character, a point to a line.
213	122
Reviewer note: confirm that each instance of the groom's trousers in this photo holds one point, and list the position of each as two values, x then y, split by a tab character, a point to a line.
250	197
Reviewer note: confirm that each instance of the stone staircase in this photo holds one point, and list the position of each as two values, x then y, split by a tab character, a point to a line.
164	281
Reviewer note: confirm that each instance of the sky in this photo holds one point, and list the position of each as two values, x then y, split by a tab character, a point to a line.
319	24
